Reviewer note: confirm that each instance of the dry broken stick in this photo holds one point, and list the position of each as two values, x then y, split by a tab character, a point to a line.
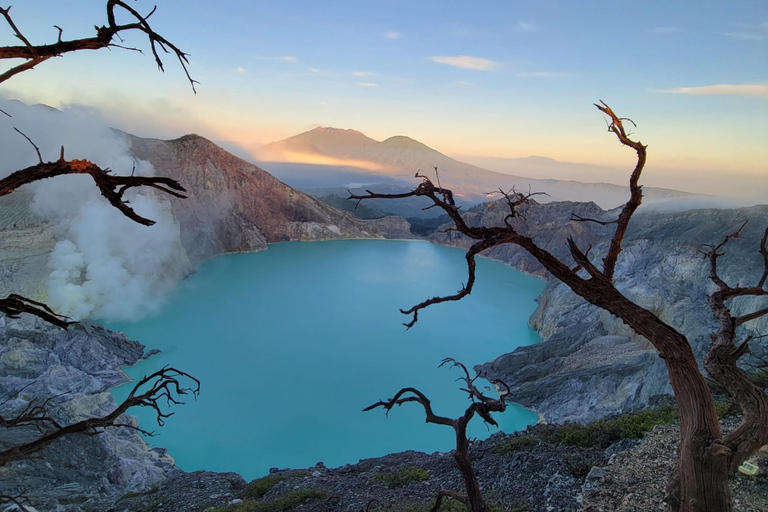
105	35
482	405
162	386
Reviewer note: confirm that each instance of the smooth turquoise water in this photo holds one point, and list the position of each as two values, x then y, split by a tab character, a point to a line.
292	343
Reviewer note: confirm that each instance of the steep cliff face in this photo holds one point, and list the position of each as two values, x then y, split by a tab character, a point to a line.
26	241
590	364
234	206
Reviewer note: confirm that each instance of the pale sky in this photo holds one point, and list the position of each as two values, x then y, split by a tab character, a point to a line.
485	78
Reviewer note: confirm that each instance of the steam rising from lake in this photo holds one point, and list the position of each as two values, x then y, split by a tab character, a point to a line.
103	265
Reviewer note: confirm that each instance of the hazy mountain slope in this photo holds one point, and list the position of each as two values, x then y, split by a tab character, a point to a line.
400	157
232	206
235	206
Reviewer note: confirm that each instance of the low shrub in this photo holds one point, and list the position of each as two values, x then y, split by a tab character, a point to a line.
261	486
402	477
516	444
605	432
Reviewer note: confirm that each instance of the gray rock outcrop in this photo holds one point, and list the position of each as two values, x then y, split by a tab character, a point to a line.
76	367
590	364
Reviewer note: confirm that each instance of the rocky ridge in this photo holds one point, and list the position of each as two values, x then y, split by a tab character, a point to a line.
235	206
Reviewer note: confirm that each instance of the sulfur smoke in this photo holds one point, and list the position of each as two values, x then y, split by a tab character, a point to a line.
103	265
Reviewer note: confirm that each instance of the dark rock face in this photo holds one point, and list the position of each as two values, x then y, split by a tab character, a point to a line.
234	206
590	364
77	367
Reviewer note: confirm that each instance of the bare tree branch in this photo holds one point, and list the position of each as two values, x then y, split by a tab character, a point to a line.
636	194
721	362
19	500
482	405
14	305
36	54
111	187
465	289
163	385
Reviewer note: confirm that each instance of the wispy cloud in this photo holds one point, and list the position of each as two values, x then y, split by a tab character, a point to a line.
287	58
723	90
466	62
523	26
361	73
540	74
391	35
241	70
366	84
748	31
744	35
665	30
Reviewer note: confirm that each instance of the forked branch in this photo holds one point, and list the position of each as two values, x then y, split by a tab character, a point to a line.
105	35
112	187
723	357
594	289
616	126
482	405
162	388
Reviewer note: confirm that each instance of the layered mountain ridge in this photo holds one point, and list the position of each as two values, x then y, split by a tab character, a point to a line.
398	158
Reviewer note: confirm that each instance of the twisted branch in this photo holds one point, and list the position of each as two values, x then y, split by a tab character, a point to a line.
636	193
112	187
482	405
163	385
36	54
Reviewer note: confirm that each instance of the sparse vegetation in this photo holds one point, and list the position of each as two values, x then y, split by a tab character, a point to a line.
403	477
261	486
516	444
603	433
256	489
284	503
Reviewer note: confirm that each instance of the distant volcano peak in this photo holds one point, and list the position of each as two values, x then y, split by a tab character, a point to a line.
332	130
403	142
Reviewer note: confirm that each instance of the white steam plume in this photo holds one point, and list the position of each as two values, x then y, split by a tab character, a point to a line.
103	264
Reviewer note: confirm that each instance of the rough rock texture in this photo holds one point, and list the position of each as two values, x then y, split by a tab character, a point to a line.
234	206
184	492
26	240
590	364
77	366
635	480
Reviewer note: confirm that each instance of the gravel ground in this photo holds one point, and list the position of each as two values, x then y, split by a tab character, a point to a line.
629	476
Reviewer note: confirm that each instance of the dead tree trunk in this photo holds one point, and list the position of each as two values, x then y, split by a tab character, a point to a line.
706	460
483	406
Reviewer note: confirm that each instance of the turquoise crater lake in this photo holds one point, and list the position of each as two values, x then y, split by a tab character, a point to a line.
292	343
